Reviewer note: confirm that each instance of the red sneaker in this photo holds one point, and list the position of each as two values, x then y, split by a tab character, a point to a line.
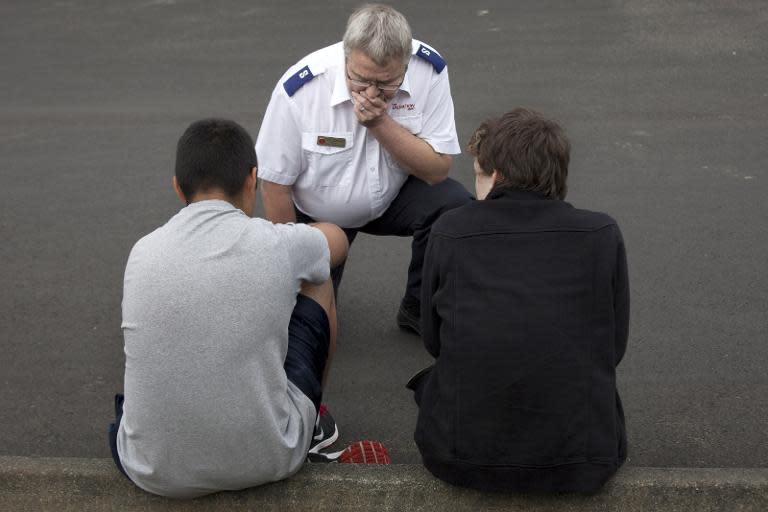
365	452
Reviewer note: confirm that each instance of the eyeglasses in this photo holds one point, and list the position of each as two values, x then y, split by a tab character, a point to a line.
364	84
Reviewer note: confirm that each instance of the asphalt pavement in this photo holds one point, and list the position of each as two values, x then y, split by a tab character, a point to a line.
666	105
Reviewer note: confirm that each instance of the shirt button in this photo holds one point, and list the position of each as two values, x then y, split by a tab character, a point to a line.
373	169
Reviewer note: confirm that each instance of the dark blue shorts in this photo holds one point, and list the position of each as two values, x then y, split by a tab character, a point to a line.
309	336
112	432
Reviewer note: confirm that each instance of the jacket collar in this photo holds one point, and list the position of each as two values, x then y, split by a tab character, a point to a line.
514	194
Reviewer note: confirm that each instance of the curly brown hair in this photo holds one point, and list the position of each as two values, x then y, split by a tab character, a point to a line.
529	151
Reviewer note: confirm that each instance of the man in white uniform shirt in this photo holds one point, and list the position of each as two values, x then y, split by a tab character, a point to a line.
361	134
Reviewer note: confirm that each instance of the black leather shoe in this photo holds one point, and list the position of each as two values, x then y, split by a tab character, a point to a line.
409	315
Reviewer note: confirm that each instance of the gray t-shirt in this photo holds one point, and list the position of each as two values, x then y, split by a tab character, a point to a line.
206	303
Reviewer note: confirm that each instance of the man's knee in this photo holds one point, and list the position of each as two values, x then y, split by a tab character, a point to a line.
444	196
452	194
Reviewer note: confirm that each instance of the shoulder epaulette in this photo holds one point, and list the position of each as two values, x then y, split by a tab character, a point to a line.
432	57
298	80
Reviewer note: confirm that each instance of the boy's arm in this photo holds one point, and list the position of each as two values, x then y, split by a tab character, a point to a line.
338	244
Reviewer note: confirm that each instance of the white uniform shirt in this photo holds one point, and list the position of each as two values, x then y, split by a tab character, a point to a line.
353	184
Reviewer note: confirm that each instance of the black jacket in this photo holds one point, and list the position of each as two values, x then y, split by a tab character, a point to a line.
525	306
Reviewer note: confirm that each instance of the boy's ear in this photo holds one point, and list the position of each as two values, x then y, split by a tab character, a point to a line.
251	181
178	191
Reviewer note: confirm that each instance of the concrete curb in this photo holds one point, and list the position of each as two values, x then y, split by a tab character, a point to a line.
69	484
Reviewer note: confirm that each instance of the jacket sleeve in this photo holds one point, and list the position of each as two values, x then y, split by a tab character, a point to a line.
430	282
621	299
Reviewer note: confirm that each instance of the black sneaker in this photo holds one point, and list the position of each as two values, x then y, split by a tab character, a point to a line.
324	457
409	316
326	432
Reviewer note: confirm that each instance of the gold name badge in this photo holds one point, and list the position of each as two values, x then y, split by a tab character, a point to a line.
336	142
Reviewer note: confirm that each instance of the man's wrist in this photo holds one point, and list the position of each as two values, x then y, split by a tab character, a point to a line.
377	123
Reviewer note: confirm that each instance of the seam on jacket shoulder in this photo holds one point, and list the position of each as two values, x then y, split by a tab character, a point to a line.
521	232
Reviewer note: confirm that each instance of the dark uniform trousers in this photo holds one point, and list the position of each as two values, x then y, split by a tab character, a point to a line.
417	206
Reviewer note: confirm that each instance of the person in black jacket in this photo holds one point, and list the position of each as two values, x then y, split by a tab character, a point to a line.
525	307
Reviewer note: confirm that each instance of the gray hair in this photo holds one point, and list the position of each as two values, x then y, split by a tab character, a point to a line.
380	32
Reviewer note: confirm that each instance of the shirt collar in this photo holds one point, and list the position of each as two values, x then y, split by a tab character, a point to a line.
515	194
340	92
406	85
212	203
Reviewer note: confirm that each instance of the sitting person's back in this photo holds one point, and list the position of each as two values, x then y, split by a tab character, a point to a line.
206	299
525	307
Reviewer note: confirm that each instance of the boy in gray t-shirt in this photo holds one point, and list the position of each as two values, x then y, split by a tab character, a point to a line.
229	322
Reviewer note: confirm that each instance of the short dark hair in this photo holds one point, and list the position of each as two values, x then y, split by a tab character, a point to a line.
529	151
214	153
